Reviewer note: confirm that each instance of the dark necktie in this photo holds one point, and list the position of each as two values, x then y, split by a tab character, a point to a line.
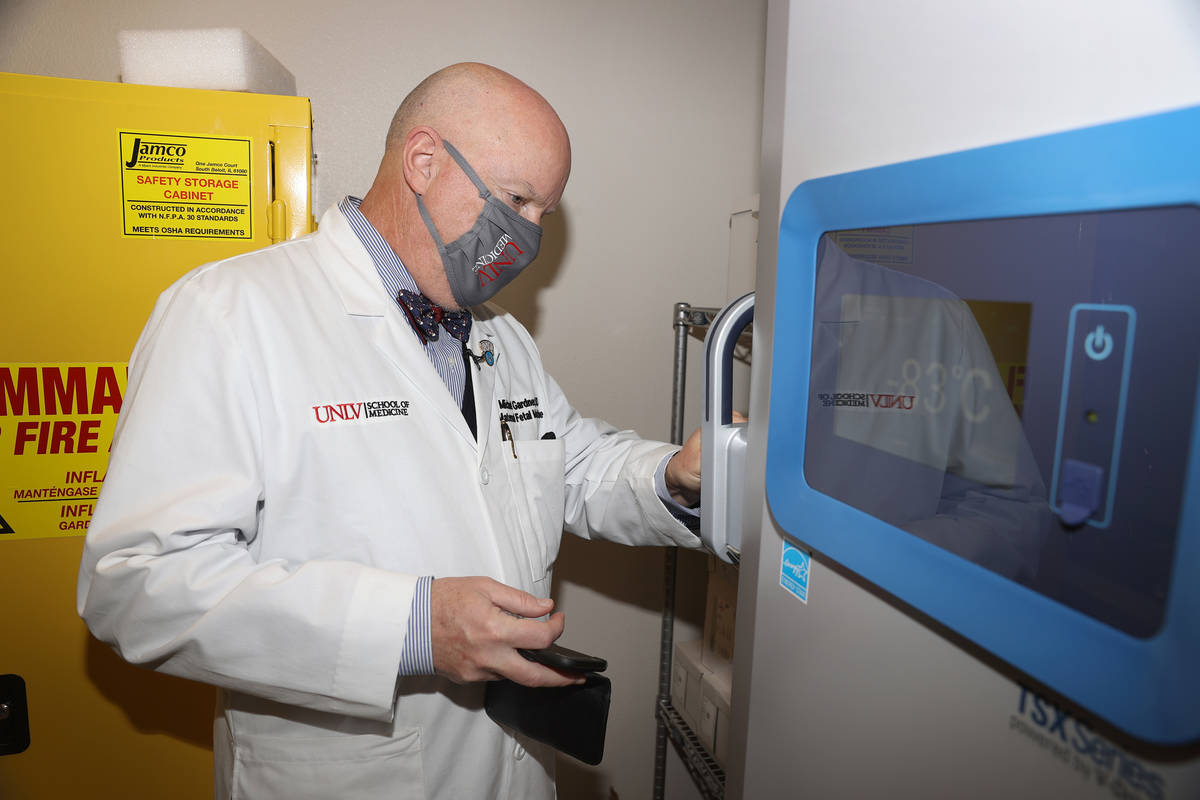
425	317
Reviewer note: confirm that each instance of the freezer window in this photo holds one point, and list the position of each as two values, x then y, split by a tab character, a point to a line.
1019	392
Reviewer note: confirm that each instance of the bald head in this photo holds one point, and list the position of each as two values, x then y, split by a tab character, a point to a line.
469	102
507	131
476	107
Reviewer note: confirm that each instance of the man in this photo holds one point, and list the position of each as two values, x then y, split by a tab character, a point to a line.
315	447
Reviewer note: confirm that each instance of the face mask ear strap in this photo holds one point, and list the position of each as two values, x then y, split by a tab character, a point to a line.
462	162
437	239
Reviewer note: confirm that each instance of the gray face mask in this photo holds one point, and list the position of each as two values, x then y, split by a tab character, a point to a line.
486	258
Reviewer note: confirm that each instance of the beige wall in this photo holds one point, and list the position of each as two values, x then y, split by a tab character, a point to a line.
663	102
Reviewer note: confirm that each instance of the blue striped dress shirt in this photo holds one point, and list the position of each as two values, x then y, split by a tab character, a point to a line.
416	658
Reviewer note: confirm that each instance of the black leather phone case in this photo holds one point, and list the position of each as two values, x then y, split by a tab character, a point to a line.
571	719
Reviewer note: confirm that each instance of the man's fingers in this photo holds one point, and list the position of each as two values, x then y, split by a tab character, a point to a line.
531	634
515	601
534	673
477	624
531	674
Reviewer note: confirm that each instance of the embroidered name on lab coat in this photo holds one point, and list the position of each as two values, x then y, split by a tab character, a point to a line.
519	410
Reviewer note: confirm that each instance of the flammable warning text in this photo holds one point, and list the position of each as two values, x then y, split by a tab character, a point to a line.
58	391
56	492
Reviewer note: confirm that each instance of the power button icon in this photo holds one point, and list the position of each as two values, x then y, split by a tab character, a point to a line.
1091	415
1099	344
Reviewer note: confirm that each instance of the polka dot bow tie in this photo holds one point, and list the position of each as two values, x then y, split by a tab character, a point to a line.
425	317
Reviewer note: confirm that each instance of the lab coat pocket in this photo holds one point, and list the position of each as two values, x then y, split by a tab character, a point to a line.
540	462
348	765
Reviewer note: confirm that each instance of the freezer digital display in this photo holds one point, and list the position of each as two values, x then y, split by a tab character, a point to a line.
1018	392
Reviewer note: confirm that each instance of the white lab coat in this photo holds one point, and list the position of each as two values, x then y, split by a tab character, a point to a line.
259	531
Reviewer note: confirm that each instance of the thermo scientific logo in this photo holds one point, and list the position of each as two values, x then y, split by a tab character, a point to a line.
156	154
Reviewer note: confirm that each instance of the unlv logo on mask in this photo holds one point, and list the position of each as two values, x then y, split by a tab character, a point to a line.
489	266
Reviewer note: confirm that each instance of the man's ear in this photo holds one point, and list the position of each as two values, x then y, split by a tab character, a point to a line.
419	146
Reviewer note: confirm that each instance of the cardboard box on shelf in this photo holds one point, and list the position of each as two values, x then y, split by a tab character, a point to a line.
715	690
721	612
687	675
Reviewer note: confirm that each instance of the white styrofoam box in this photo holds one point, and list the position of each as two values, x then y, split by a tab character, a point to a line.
206	58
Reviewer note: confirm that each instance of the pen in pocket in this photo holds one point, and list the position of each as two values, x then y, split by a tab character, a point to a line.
506	435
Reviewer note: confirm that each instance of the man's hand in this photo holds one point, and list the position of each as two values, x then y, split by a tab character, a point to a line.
683	470
477	624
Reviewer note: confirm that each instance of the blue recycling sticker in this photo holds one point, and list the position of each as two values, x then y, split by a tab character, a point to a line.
793	571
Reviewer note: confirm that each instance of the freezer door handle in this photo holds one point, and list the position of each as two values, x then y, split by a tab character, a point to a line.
723	440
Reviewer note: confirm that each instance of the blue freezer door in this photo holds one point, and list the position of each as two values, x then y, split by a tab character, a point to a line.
997	422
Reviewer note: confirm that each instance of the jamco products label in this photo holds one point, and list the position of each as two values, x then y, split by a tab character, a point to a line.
180	186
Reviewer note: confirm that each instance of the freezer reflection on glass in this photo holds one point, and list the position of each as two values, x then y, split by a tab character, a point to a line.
913	419
1018	392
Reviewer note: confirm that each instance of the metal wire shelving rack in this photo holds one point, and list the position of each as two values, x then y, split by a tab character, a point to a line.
670	725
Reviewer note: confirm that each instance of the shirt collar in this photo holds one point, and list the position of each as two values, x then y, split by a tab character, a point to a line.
389	266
